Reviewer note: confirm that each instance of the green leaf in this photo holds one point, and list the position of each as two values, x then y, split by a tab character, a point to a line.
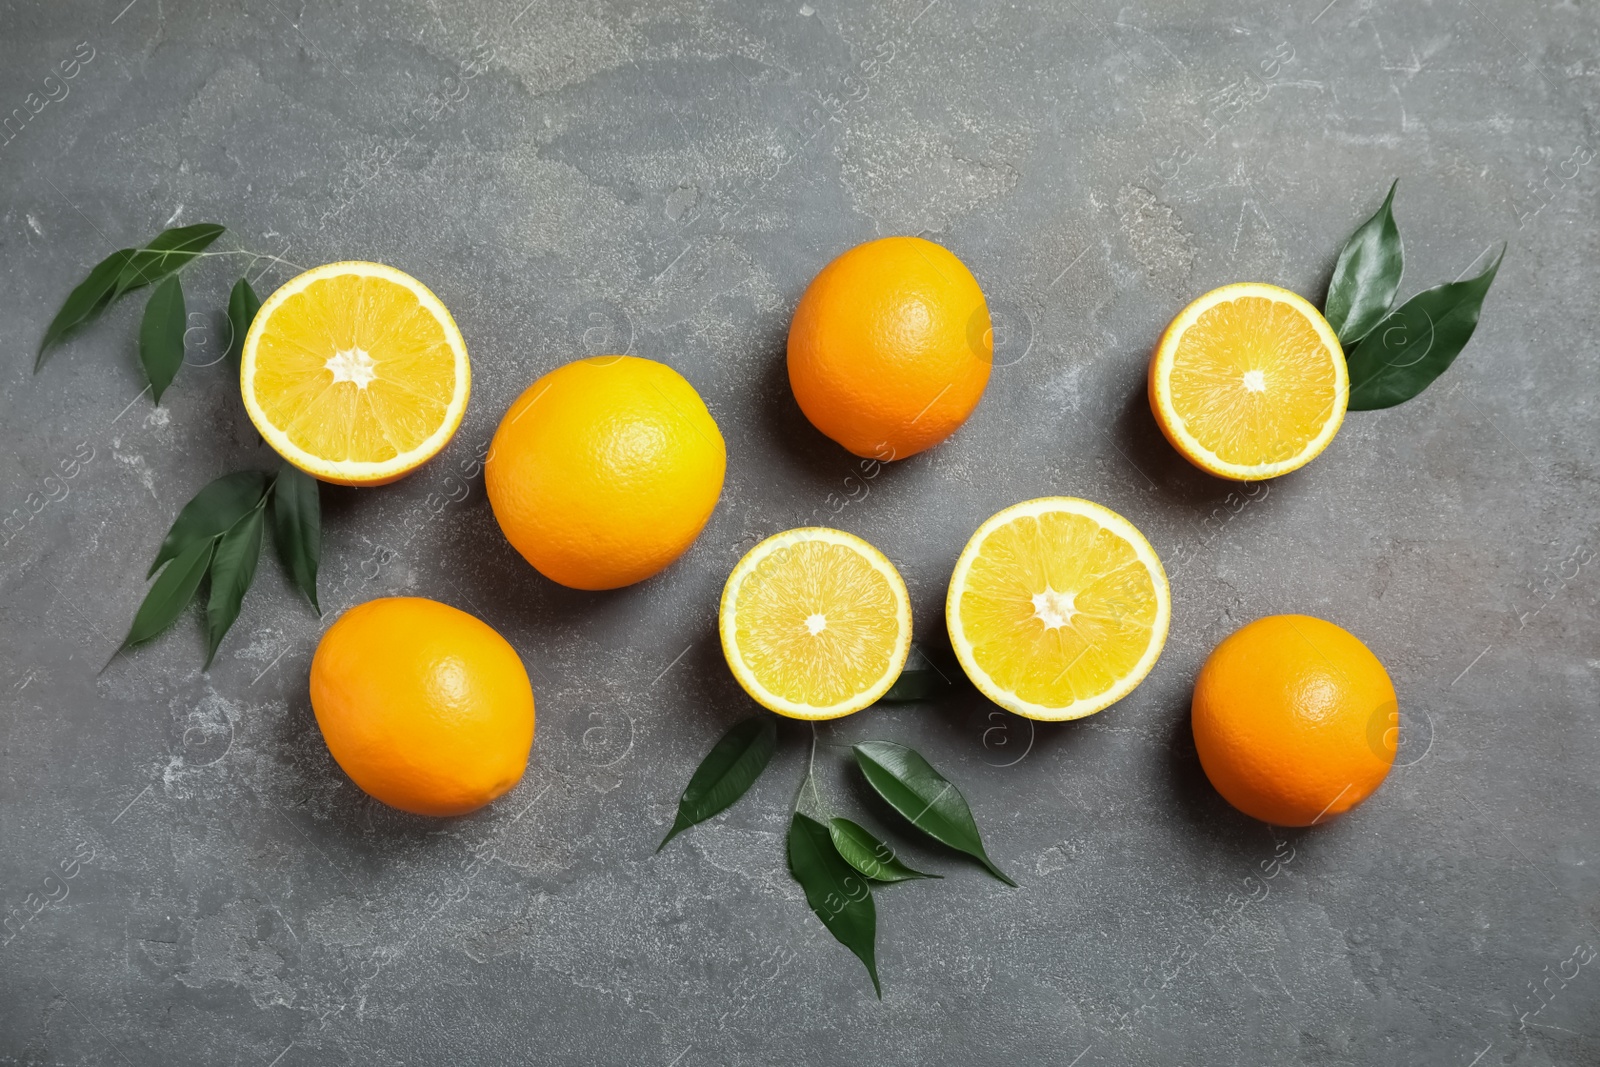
836	891
171	593
91	297
729	769
1367	276
1417	342
297	527
869	855
923	795
233	568
916	685
169	252
243	303
211	513
161	335
919	683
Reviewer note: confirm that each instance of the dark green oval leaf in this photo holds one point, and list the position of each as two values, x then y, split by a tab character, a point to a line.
869	855
1367	276
161	335
169	252
923	795
171	593
919	683
213	511
1417	342
297	527
836	891
91	297
729	769
233	568
243	303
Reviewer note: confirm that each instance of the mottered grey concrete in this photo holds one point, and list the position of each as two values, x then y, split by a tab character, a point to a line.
187	877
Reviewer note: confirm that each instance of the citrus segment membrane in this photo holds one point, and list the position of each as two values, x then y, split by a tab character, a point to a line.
1057	608
355	372
816	623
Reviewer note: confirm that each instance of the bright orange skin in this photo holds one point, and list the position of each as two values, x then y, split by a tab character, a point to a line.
425	707
1294	719
891	347
605	471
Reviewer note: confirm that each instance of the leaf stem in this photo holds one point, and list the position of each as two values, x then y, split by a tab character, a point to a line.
811	775
254	257
811	769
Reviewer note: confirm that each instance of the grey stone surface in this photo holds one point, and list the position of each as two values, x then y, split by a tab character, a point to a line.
664	179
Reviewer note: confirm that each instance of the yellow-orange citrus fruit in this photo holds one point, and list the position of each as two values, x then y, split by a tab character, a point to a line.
605	470
355	373
1249	382
1294	720
891	347
1057	608
815	623
425	707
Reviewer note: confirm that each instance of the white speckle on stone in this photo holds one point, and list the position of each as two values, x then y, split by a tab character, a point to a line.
137	464
1155	234
226	948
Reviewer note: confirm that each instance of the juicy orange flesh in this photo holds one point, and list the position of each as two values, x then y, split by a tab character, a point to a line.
1253	381
779	604
1057	608
351	319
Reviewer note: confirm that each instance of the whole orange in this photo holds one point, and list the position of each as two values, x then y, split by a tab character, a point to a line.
1292	717
890	347
425	707
605	470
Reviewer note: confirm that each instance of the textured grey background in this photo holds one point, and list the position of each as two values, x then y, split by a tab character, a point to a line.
664	179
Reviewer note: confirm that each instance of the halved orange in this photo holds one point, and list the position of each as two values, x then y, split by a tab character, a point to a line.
355	373
1249	382
815	623
1058	608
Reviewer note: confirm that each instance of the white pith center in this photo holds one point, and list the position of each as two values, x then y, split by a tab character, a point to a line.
815	624
352	365
1053	609
1255	381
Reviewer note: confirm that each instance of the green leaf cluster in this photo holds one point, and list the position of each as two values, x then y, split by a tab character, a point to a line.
218	537
1394	353
839	863
216	540
928	799
161	330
